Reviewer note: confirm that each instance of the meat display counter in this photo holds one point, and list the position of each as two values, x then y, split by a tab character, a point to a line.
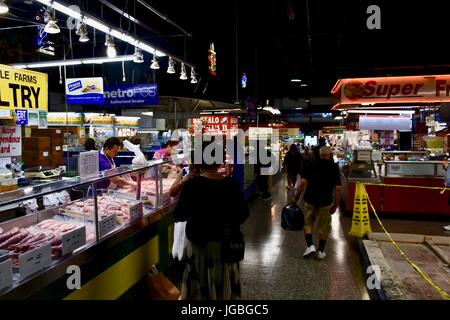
106	240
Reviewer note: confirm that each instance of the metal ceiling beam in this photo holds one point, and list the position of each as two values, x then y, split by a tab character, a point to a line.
126	15
159	14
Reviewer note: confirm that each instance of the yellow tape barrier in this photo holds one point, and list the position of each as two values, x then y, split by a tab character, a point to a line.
443	189
444	294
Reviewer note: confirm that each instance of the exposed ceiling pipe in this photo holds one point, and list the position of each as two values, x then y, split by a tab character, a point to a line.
159	14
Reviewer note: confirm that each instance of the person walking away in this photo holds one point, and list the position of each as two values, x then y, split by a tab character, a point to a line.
319	182
293	165
208	203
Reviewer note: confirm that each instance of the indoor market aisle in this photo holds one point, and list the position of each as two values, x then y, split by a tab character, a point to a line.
274	267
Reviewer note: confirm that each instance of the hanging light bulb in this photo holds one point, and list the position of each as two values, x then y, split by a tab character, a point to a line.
51	27
83	33
138	57
109	43
155	64
3	7
193	76
171	67
183	75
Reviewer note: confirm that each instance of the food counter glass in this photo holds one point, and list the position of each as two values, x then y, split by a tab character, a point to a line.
388	197
112	237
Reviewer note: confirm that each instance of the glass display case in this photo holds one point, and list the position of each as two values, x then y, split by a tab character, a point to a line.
36	245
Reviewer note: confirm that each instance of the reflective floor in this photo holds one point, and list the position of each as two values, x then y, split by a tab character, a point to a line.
274	267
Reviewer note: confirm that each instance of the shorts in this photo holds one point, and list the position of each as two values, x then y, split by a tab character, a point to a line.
324	221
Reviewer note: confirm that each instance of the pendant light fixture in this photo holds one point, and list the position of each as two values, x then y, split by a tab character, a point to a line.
109	43
138	56
171	67
3	7
183	75
155	64
51	27
83	33
193	76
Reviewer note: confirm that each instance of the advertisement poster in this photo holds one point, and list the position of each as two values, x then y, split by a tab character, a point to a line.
10	141
43	120
131	95
21	117
33	118
23	89
84	91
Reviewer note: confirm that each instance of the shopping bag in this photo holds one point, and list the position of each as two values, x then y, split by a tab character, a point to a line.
292	217
179	246
161	288
233	245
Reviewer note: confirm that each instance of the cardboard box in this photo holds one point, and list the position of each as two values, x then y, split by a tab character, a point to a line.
37	143
52	133
35	154
34	162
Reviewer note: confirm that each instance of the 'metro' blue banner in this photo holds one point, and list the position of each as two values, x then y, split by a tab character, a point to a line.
131	95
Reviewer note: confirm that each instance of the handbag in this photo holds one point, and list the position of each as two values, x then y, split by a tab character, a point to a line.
292	217
233	245
160	287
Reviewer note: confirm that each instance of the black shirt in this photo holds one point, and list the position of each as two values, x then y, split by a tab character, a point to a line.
207	205
322	176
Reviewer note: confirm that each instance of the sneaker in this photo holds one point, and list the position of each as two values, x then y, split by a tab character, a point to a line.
321	255
447	227
309	251
267	197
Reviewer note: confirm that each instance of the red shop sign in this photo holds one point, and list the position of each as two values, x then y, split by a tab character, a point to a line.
412	89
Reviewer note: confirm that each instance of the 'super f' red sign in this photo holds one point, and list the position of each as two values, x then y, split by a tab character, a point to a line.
393	89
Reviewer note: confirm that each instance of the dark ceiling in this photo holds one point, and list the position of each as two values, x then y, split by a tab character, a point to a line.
272	43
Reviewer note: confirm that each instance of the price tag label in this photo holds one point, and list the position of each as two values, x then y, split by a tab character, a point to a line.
88	164
106	225
136	212
73	240
6	274
35	260
58	148
58	131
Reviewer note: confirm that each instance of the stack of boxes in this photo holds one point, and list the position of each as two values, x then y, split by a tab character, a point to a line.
44	148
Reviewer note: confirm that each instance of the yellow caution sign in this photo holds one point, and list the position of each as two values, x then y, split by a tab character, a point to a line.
360	221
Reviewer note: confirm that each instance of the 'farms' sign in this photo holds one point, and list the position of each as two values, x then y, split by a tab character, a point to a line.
10	141
393	89
23	89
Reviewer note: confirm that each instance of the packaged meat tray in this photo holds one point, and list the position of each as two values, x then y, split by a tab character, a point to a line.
148	191
108	204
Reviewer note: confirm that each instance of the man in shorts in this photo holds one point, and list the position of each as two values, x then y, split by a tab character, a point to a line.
322	184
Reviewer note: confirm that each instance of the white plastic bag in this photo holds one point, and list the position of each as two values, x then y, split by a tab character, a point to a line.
139	156
179	241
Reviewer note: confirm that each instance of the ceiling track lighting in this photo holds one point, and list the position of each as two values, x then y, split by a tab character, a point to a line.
3	7
138	56
155	64
183	75
51	27
74	62
171	67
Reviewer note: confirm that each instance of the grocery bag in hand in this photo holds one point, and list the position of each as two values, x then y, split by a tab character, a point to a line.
179	247
292	217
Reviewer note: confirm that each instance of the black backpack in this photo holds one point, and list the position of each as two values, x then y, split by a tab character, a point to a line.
292	217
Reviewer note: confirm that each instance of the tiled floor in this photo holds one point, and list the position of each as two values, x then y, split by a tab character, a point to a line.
274	267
